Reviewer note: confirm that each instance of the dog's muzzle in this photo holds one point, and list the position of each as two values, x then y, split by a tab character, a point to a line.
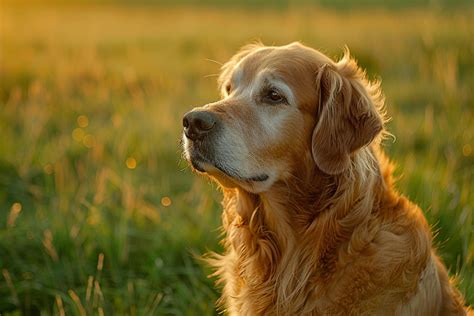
201	129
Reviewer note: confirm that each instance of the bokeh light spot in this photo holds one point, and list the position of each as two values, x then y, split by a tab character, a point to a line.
78	134
467	150
131	163
165	201
48	168
89	141
116	120
16	207
82	121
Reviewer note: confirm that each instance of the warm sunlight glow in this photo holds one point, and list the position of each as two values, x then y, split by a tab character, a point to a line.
102	211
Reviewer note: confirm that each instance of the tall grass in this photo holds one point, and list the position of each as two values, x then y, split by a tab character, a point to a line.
99	214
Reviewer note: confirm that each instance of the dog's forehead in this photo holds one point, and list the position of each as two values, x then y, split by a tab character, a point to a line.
294	66
249	66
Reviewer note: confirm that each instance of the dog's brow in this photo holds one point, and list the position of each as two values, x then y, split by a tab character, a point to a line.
237	76
284	88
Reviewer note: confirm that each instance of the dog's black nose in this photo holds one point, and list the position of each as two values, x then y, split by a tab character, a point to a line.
198	123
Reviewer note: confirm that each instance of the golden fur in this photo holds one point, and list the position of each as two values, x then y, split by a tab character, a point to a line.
329	235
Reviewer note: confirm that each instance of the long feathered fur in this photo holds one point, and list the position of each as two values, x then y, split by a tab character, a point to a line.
318	243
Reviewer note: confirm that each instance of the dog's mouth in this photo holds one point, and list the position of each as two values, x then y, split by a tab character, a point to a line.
203	164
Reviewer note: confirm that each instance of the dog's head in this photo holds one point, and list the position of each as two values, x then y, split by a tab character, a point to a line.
282	107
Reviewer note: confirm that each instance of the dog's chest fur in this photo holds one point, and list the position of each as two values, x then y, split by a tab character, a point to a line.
352	262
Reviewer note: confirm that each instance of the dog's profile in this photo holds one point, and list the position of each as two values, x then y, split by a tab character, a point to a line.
313	224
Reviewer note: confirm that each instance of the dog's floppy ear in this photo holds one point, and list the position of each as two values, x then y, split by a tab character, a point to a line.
348	118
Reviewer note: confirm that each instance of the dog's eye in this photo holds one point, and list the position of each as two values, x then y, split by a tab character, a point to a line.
228	87
273	96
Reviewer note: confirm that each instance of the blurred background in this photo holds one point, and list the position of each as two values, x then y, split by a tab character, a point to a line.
99	214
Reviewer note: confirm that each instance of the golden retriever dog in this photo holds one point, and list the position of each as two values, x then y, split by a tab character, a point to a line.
312	222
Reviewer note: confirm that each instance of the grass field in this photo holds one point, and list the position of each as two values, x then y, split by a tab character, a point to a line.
98	212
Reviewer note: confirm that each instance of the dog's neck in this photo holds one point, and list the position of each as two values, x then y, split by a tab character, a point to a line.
309	194
294	220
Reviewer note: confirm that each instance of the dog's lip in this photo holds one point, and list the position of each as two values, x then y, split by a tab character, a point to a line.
197	166
260	178
233	175
197	158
